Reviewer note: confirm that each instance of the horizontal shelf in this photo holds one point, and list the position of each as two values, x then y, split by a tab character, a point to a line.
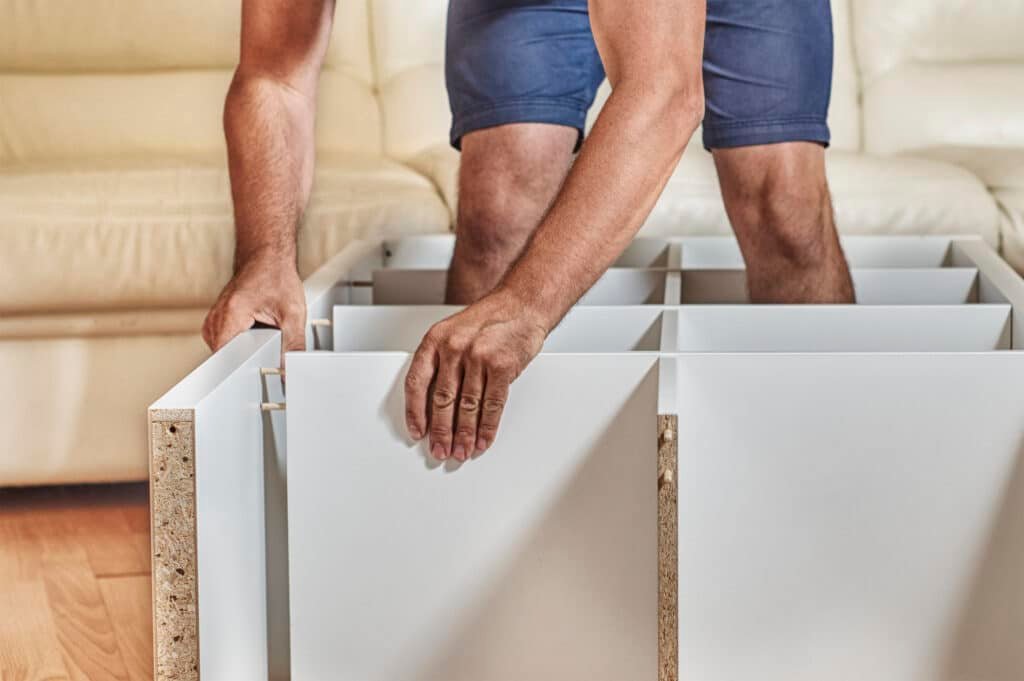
711	328
698	252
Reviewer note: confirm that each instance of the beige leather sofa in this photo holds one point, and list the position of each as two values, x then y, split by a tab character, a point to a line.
115	217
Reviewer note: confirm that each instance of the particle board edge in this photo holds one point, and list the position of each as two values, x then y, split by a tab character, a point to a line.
668	551
173	531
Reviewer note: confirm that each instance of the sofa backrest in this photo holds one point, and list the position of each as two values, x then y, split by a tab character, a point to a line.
408	49
148	77
145	77
940	73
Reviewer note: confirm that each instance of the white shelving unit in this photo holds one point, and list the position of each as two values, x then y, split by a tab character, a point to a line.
850	483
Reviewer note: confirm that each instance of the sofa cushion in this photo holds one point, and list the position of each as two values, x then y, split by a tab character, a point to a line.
1002	171
148	77
892	32
1011	202
872	195
160	233
917	106
940	72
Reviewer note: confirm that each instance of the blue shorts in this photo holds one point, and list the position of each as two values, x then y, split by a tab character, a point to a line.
767	67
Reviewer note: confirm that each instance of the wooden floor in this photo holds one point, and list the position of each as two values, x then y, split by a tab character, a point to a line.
74	583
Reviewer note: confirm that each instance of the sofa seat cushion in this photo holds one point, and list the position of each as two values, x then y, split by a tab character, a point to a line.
1002	171
159	233
872	195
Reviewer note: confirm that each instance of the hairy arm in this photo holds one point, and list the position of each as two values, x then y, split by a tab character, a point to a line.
268	124
652	53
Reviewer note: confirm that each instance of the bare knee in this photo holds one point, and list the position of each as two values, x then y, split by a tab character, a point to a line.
791	223
494	222
508	177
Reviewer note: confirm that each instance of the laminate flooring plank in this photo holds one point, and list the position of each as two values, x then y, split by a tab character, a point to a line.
129	604
29	647
84	629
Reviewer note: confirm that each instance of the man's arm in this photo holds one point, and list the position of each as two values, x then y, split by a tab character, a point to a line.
652	53
268	123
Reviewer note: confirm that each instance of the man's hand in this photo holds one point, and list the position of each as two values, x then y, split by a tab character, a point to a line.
651	51
265	289
459	378
268	126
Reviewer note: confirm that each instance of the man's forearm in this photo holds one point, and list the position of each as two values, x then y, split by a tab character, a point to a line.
622	169
269	130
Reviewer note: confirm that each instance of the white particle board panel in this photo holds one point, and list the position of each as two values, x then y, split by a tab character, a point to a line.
237	540
722	252
434	251
892	286
851	516
400	328
615	287
842	328
997	281
231	537
601	328
536	560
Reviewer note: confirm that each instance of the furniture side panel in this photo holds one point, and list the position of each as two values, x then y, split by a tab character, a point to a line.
556	523
231	528
829	500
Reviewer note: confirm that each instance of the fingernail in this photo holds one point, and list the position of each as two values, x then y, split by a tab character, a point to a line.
459	453
482	445
414	432
437	451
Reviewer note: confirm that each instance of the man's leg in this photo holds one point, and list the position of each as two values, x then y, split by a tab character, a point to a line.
767	80
778	202
508	177
521	75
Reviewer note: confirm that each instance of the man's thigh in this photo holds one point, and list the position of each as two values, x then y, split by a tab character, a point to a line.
520	61
767	72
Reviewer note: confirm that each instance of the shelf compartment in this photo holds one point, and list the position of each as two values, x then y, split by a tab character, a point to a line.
881	286
584	329
722	252
838	328
615	287
434	252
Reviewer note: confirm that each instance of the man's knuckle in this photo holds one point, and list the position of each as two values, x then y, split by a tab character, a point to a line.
478	353
487	431
465	432
453	344
443	397
469	403
501	364
440	431
413	381
493	405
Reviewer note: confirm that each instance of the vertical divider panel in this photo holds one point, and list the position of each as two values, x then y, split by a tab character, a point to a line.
674	279
997	282
669	331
